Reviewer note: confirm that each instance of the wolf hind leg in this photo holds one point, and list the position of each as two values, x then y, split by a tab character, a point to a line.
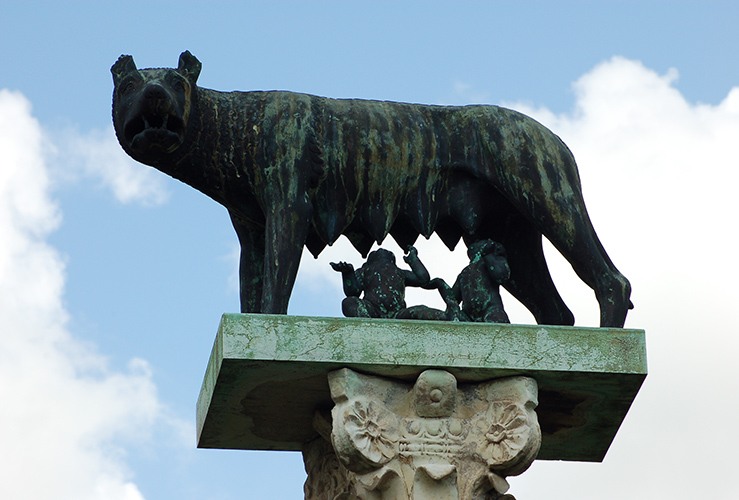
530	282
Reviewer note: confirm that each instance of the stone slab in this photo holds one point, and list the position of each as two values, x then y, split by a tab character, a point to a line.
267	374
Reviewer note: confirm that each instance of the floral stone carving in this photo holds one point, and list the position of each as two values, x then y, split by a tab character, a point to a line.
370	430
428	440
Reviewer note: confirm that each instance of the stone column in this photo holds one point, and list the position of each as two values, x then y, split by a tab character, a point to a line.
388	439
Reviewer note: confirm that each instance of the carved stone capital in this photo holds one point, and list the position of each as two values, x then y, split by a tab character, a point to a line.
432	439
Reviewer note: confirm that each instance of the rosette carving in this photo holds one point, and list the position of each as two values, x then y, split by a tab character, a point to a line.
507	434
367	434
512	436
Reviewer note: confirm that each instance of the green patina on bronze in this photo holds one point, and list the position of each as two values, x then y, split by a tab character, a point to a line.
475	295
267	374
299	170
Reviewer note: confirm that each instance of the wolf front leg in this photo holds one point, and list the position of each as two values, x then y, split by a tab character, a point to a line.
251	263
285	234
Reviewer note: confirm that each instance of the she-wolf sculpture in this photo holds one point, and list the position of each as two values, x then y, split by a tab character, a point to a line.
298	170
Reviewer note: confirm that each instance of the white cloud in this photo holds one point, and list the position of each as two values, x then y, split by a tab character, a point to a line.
96	154
660	176
65	416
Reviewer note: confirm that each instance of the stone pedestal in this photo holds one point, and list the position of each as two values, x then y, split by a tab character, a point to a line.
416	409
429	440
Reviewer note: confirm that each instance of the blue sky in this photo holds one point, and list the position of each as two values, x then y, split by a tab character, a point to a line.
113	276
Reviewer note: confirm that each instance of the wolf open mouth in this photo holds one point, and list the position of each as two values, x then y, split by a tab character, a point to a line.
154	131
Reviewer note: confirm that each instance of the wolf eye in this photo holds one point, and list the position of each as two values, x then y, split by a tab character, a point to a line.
178	85
127	87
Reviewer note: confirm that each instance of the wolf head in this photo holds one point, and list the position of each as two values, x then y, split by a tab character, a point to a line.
151	107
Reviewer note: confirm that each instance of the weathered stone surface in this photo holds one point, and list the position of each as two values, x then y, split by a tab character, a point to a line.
397	440
268	374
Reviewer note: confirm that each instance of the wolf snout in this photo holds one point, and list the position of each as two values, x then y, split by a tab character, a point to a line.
156	98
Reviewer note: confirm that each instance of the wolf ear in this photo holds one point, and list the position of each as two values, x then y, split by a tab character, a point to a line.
189	66
123	66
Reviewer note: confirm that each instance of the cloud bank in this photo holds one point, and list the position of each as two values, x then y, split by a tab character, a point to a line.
660	176
96	156
65	417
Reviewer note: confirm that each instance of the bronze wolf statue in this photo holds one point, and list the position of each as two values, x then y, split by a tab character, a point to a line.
298	170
